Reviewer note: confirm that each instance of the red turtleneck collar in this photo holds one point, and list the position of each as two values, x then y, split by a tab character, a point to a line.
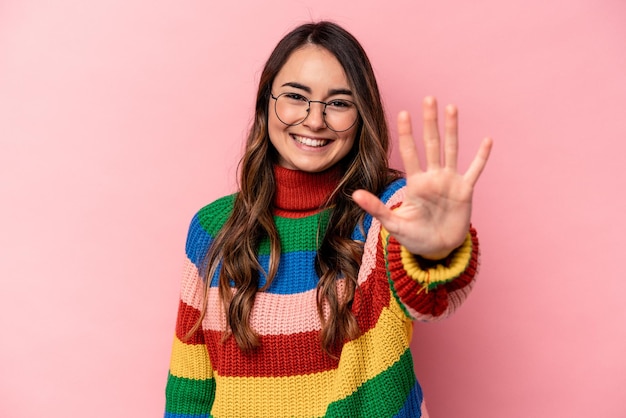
299	193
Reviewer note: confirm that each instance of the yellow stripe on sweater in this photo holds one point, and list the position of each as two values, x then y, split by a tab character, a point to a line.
190	361
361	360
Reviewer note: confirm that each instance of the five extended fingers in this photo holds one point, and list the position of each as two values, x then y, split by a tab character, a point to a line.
432	142
432	145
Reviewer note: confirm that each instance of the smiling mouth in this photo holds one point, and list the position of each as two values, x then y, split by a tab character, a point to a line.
310	142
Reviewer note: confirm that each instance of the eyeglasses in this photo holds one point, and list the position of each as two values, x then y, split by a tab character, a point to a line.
293	108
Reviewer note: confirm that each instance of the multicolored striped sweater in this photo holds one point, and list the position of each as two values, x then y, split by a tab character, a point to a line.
290	375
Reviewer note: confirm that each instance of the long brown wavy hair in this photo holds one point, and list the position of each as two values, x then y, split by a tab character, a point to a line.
365	167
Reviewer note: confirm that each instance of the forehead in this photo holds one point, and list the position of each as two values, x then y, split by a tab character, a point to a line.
314	67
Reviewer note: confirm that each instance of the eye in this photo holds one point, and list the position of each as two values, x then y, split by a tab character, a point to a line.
295	97
339	104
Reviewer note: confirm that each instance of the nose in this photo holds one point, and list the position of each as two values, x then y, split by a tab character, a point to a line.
315	119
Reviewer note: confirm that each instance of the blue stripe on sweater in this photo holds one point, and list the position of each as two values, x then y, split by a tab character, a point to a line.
391	189
297	266
413	405
198	241
292	277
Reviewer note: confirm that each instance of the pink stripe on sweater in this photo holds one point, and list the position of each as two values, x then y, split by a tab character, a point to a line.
193	288
272	314
424	410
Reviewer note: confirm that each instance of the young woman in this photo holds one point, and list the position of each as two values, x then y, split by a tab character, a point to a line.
301	289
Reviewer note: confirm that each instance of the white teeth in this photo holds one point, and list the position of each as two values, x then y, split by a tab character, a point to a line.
310	141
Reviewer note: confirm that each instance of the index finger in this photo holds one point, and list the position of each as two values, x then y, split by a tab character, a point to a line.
375	207
408	149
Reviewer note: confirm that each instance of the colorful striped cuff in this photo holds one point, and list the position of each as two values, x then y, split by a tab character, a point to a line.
430	274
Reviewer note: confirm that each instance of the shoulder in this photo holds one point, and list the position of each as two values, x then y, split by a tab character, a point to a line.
205	225
211	217
393	191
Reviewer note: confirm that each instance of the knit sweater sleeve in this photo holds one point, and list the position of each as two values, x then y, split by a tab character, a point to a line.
431	290
190	386
428	290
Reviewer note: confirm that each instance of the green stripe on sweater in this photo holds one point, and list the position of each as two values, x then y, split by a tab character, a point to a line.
212	217
292	239
189	396
382	396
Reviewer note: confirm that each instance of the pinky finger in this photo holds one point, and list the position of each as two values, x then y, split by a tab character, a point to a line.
480	161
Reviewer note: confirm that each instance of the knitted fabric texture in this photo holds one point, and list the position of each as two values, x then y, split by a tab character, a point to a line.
289	375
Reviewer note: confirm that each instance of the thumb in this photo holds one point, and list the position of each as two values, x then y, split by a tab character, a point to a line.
375	207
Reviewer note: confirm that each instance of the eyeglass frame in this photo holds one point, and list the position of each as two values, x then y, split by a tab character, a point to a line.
308	111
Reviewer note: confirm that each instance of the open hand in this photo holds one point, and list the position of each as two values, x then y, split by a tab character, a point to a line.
434	217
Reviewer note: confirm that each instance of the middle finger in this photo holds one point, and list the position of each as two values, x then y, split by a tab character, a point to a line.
431	133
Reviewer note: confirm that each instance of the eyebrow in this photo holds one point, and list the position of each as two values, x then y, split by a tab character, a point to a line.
308	89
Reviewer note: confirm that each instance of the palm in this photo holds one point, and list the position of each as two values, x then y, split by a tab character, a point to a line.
434	217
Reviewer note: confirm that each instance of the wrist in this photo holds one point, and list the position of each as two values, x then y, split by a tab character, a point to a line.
437	256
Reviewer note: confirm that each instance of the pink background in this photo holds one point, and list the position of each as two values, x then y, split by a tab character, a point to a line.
120	118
